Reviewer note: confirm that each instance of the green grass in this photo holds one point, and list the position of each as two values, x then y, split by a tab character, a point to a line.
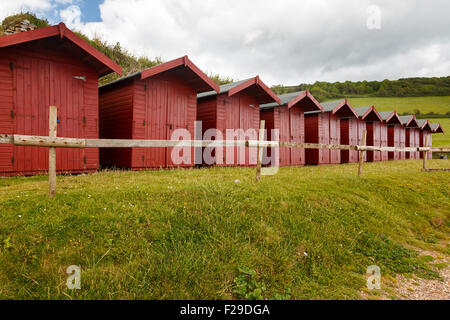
440	105
439	139
305	233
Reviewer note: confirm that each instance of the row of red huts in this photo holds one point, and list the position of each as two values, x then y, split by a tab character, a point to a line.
54	66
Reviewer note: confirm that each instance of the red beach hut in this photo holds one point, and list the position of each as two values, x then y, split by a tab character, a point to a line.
437	128
289	119
324	128
233	113
40	68
373	122
425	131
152	104
394	131
411	135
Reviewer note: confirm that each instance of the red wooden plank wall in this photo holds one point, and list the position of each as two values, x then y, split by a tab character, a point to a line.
349	136
6	113
402	137
312	123
147	109
240	111
38	78
297	134
273	121
115	121
361	128
422	137
383	141
409	142
374	139
335	138
283	125
416	132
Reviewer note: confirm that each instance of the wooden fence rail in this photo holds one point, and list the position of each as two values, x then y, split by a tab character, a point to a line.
59	142
52	142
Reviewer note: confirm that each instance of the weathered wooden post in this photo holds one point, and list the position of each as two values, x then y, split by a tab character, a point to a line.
362	152
260	150
425	154
52	126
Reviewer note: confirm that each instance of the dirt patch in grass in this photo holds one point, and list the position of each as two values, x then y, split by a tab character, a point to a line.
413	287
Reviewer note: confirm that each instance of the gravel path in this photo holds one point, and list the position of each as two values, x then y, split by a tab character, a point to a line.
422	289
415	288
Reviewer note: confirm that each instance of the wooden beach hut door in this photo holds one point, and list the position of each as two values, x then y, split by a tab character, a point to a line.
297	132
180	115
155	121
40	84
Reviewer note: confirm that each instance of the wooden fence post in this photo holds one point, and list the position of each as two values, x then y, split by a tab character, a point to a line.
52	125
425	154
260	150
362	153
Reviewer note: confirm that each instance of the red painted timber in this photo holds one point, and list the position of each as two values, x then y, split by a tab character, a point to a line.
289	119
361	128
317	130
402	137
394	141
349	136
38	69
273	119
151	105
373	139
236	111
383	141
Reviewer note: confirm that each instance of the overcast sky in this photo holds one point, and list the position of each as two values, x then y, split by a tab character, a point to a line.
284	41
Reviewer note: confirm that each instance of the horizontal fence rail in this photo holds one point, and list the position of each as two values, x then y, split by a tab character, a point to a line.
60	142
52	142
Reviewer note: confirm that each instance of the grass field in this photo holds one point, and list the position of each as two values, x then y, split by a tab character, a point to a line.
440	105
305	233
439	139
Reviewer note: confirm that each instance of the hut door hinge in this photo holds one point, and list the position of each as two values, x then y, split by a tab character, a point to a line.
145	86
143	158
12	160
12	114
143	123
84	160
11	66
84	120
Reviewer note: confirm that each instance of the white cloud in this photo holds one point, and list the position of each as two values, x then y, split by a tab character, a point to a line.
12	7
71	16
287	41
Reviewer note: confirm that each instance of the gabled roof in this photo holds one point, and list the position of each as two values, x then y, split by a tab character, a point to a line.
409	121
340	108
254	86
61	33
302	99
368	113
437	128
182	68
424	125
390	117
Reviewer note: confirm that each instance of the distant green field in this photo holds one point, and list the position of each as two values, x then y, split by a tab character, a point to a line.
439	139
439	105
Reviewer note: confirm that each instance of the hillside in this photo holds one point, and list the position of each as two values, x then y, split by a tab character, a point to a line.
422	107
408	87
305	233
